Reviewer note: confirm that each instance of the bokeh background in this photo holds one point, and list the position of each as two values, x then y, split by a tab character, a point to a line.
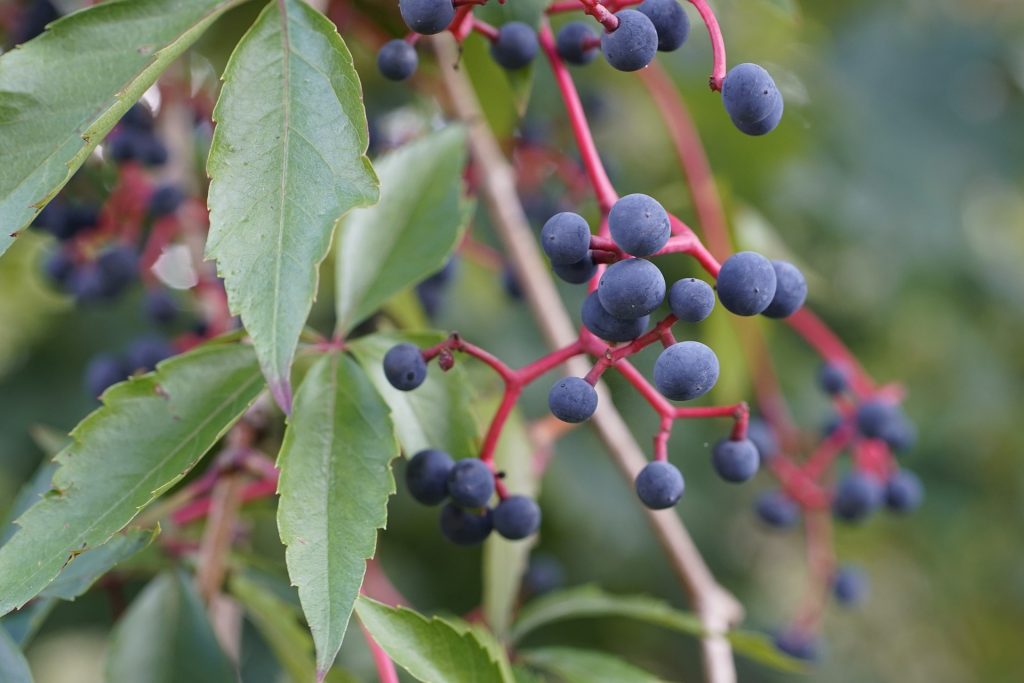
896	181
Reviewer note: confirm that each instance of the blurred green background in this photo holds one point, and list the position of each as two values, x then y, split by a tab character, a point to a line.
896	181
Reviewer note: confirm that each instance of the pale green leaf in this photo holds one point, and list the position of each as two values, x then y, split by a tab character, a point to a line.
13	667
409	233
760	647
335	482
431	650
286	162
487	639
586	666
23	625
28	496
62	92
149	433
165	637
86	568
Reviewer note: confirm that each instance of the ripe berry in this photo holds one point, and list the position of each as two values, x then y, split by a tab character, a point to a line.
576	43
735	461
160	307
103	371
746	283
543	575
153	151
577	273
144	353
777	510
797	644
86	284
565	238
659	485
427	474
685	371
470	483
874	417
633	44
670	21
517	517
404	367
903	492
59	266
118	267
165	200
691	300
125	145
832	379
850	586
751	99
763	437
631	289
138	117
790	291
397	60
608	327
516	45
465	527
856	497
427	16
431	291
639	224
572	399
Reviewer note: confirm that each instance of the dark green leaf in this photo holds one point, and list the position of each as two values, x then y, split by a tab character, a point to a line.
28	496
410	232
13	667
286	161
586	666
61	93
335	482
151	431
84	569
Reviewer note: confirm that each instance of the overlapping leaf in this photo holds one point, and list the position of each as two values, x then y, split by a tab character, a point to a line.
586	666
13	667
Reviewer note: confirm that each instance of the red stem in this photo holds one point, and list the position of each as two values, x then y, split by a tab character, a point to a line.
386	672
718	67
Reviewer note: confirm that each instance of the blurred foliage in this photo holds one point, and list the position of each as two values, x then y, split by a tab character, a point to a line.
896	179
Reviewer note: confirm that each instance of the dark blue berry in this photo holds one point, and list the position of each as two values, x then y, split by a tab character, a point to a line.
165	200
160	306
470	483
790	291
763	438
691	300
144	353
572	399
639	224
875	417
633	44
659	485
577	43
432	290
850	586
102	372
59	267
427	474
903	492
153	151
404	366
899	434
856	497
606	326
565	238
685	371
510	283
797	644
517	517
631	289
735	461
397	60
516	45
832	379
577	273
118	266
543	575
751	99
670	21
465	527
125	145
746	283
777	510
86	284
427	16
138	117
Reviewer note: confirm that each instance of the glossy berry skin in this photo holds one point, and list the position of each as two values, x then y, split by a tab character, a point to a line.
572	399
832	379
516	45
572	42
691	300
427	16
404	367
631	289
606	326
427	474
751	99
670	21
798	645
856	497
777	510
565	238
165	200
850	586
639	224
397	60
465	527
685	371
517	517
659	485
735	461
102	372
577	273
746	283
146	352
903	492
763	437
632	45
470	483
160	307
790	291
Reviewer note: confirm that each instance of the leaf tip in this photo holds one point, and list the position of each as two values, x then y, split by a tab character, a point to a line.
281	390
321	674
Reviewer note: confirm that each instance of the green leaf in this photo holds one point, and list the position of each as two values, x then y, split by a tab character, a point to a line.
529	12
590	601
586	666
335	482
486	638
760	648
437	414
28	496
13	667
61	93
86	568
431	650
410	232
287	160
151	431
23	625
165	637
